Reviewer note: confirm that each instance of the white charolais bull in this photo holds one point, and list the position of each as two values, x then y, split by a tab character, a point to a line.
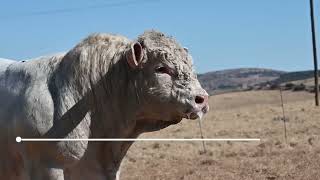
106	87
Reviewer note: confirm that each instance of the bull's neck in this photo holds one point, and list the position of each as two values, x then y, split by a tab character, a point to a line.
113	114
106	83
114	103
107	95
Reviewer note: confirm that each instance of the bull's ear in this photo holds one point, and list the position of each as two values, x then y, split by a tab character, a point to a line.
134	55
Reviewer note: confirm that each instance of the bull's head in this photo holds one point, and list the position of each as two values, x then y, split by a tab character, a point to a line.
166	83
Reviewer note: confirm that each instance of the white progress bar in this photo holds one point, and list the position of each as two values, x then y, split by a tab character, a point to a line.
19	139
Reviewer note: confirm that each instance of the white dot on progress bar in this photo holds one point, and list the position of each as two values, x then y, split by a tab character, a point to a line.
18	139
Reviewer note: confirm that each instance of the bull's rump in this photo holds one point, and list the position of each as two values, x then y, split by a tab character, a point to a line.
27	107
24	95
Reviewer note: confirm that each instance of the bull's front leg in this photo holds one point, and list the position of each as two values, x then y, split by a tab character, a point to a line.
41	173
92	172
54	174
113	174
118	175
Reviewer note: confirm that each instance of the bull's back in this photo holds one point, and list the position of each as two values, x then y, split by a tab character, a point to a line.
4	63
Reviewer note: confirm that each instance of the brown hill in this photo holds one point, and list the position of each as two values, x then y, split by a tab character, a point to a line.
216	82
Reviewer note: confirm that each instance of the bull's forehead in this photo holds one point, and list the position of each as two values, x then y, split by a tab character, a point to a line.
183	66
169	51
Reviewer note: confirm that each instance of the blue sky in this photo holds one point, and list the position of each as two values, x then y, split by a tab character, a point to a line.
220	34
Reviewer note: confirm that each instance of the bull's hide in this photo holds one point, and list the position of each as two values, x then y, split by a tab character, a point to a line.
107	86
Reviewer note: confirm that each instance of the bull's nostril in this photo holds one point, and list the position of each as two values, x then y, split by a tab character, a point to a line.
199	99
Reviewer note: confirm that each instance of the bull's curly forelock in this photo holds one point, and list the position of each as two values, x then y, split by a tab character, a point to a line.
159	44
153	39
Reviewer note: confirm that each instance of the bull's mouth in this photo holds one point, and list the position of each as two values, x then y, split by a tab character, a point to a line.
148	124
192	116
196	113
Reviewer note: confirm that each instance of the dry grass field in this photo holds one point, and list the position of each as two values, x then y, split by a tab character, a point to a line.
252	114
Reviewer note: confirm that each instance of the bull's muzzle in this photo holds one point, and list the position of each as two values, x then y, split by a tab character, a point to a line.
201	107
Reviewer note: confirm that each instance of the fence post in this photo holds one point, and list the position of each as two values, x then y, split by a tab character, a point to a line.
283	117
315	61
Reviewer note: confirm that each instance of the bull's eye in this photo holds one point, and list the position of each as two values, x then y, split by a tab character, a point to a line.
163	70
